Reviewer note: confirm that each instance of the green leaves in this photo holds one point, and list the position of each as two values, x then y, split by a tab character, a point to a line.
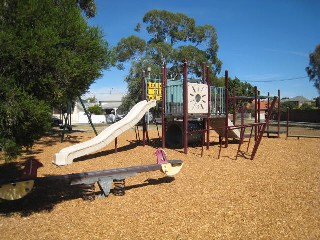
129	48
164	25
24	118
172	38
313	69
50	50
49	55
96	109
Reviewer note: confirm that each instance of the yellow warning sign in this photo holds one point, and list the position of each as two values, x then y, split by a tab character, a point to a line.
154	91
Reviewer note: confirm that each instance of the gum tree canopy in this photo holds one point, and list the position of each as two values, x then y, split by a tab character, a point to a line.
313	69
48	55
171	38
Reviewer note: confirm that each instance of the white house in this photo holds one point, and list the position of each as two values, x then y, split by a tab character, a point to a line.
110	103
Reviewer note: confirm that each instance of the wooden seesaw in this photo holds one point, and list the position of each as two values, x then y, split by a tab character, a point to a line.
19	188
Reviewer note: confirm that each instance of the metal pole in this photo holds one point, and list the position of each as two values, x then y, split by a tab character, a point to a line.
116	145
144	95
279	112
255	111
185	107
163	118
287	133
227	106
234	107
144	124
203	72
209	108
88	115
259	107
268	112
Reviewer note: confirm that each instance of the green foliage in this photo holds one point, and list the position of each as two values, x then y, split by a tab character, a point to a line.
10	148
49	56
313	69
92	99
285	105
174	38
306	106
24	119
239	89
49	49
88	6
96	109
129	47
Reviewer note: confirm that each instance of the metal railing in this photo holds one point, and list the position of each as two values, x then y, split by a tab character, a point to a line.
217	101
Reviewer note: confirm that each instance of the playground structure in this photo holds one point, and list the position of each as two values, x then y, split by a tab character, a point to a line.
105	179
191	108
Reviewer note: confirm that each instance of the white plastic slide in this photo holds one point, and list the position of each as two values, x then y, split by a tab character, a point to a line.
218	124
66	155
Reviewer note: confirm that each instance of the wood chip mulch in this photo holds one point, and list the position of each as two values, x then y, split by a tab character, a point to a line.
274	196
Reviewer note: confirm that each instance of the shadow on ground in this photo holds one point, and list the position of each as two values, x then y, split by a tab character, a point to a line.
48	193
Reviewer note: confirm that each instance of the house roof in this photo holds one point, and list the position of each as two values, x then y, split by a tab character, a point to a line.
300	99
110	105
113	97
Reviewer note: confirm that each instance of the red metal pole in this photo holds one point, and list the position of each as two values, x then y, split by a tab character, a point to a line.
116	145
185	107
203	72
255	111
209	108
259	107
279	112
227	107
287	133
143	85
268	112
144	127
163	117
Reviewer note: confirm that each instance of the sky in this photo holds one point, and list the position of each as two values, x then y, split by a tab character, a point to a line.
266	43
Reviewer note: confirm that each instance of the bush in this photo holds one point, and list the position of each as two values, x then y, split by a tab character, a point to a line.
10	149
306	106
23	119
96	109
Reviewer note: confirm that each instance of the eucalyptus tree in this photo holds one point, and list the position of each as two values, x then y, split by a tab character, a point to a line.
313	69
171	38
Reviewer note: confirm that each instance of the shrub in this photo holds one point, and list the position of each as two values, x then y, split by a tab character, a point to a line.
96	109
23	119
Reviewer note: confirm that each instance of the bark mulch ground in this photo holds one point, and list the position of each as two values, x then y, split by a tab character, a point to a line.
274	196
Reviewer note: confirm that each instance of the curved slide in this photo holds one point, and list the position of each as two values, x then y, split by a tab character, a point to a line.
66	155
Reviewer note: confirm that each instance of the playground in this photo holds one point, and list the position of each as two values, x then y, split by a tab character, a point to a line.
274	196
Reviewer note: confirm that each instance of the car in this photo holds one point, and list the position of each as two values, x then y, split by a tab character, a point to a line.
56	122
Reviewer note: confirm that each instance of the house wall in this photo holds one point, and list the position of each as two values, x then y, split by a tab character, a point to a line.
82	118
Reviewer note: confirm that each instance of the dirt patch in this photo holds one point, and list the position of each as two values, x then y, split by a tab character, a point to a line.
275	196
